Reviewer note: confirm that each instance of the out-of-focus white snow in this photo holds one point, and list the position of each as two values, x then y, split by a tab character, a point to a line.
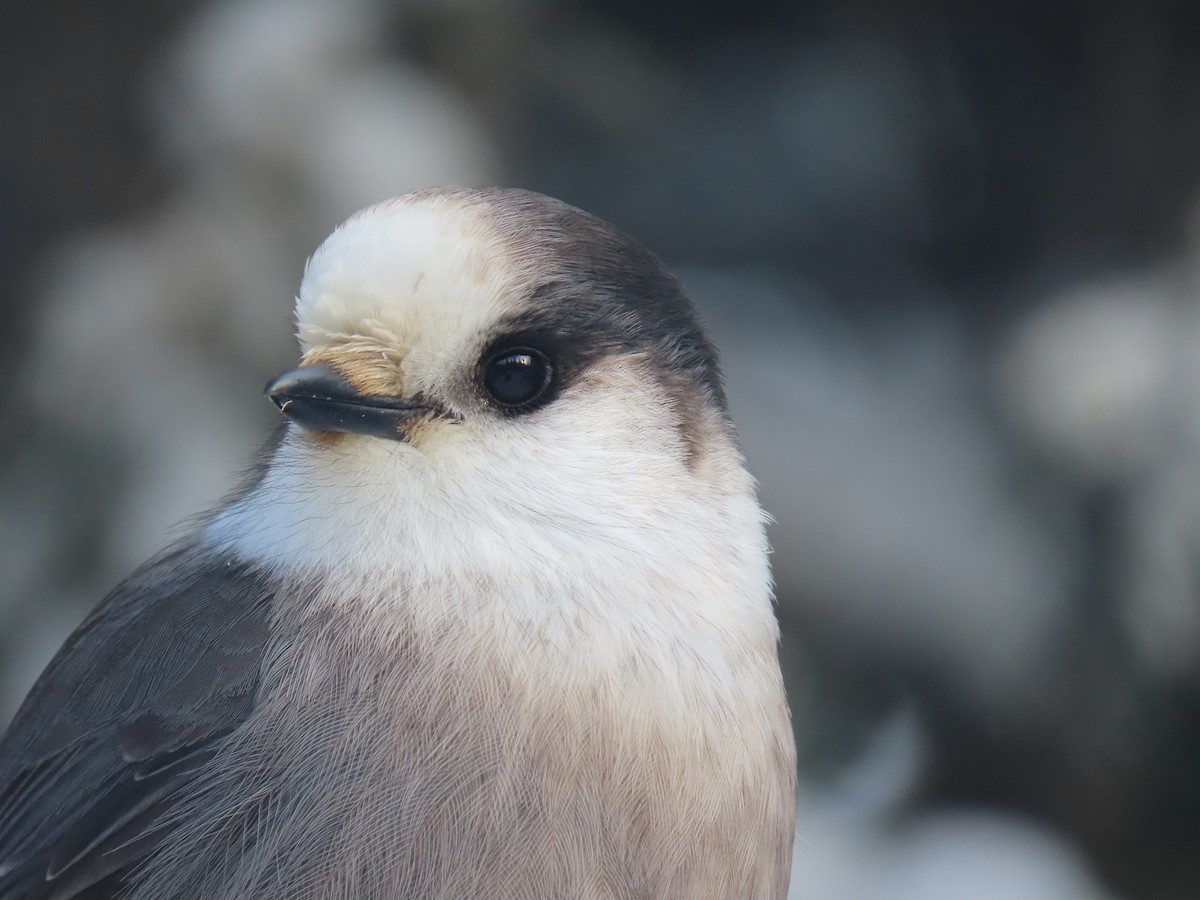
1104	379
300	91
1093	375
855	840
942	856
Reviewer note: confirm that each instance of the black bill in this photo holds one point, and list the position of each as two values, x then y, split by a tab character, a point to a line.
319	398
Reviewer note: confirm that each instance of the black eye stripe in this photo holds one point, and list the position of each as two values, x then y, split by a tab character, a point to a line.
516	377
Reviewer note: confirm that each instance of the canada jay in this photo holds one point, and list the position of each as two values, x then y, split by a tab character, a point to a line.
493	621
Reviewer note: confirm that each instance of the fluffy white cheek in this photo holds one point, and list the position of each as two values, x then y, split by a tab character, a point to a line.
551	497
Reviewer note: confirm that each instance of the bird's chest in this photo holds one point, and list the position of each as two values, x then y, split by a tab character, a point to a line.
465	768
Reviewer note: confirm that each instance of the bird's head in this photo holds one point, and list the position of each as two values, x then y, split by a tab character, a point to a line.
501	322
499	362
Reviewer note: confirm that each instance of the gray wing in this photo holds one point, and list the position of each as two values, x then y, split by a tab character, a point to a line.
140	696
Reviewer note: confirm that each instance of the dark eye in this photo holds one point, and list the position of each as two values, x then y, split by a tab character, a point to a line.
516	376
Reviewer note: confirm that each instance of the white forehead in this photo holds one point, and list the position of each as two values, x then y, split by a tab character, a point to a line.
405	270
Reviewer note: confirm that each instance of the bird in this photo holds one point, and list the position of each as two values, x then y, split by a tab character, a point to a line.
493	617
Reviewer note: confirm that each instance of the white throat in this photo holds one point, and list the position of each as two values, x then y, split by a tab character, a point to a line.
444	539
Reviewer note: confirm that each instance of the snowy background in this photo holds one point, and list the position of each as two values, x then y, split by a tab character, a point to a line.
951	253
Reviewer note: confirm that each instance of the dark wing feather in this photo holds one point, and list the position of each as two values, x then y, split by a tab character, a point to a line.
139	697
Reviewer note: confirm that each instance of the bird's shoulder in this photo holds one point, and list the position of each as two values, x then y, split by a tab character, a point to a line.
139	697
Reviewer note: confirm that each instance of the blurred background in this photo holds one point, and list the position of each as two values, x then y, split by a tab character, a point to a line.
949	250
